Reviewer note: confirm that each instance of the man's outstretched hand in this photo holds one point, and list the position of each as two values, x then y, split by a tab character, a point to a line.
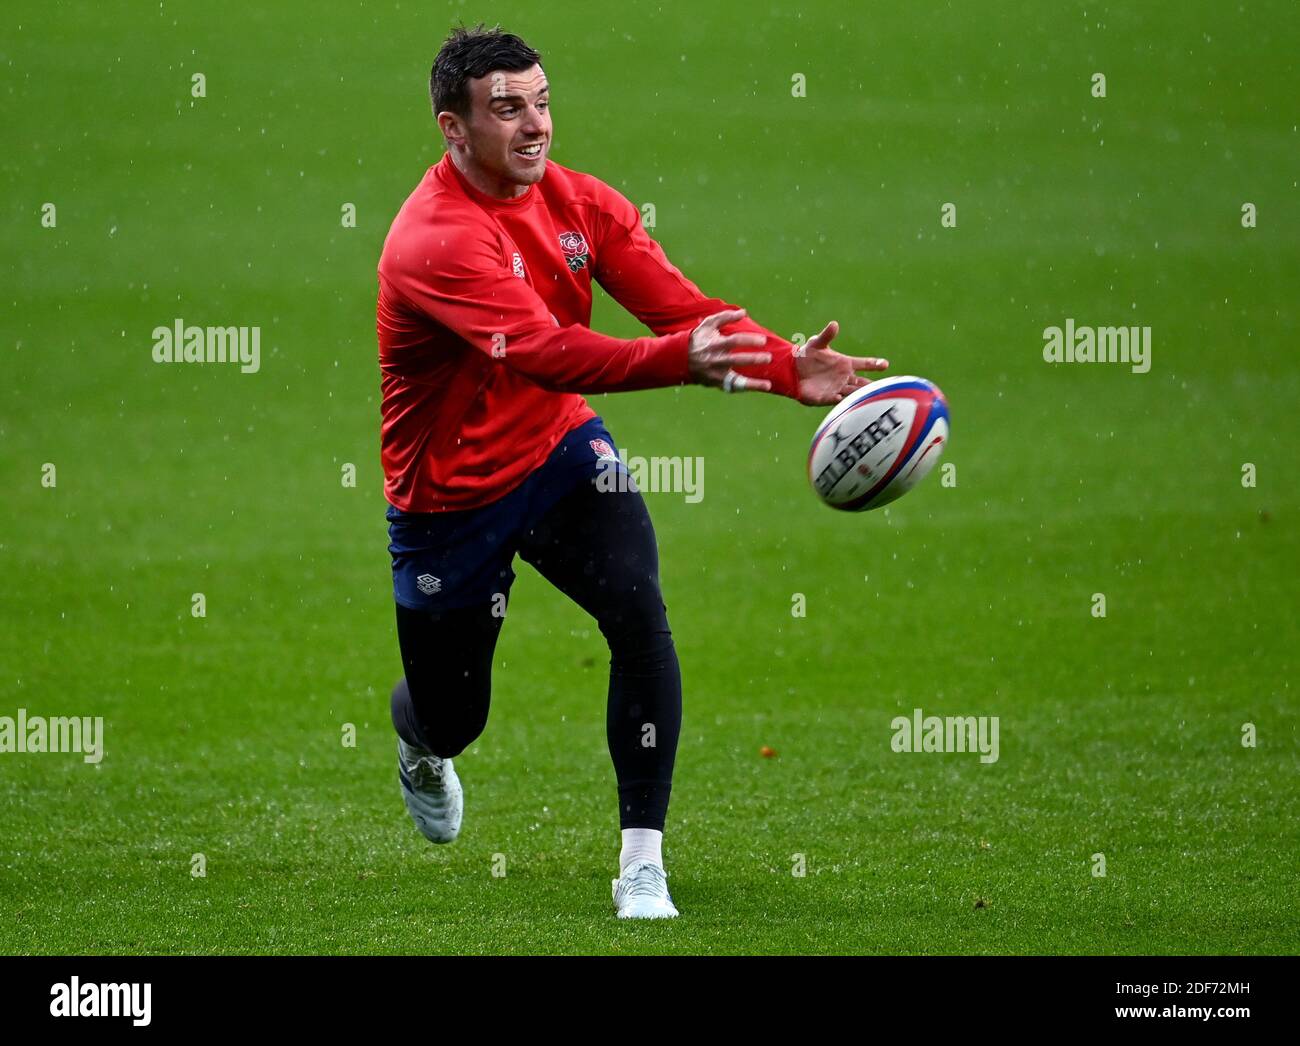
712	355
826	376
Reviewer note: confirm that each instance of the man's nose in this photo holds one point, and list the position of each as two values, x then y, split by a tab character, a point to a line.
534	123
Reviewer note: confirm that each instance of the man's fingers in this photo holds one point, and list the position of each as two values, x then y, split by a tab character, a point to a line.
825	335
869	363
743	359
735	382
720	319
739	341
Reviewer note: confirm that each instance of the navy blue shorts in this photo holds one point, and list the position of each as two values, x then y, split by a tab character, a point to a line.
445	560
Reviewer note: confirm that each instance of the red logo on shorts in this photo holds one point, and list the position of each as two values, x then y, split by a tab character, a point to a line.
603	450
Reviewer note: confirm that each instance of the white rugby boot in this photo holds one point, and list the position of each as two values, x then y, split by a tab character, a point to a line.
642	893
432	792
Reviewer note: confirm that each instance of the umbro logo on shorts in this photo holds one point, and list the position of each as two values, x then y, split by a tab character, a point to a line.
428	584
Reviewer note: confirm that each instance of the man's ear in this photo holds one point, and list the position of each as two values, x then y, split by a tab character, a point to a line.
453	128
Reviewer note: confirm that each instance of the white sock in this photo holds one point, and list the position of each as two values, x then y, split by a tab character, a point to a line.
641	844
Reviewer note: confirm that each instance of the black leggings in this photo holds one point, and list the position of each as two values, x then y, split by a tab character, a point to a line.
598	548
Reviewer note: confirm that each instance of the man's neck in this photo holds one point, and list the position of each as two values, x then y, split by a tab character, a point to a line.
498	188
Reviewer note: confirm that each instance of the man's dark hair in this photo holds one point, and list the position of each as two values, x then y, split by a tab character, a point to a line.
468	54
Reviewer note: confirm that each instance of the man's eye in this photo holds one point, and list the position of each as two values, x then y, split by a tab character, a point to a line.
507	111
543	106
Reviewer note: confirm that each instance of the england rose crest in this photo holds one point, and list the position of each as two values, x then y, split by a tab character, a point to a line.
576	251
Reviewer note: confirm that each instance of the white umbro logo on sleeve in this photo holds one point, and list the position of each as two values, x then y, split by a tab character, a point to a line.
428	584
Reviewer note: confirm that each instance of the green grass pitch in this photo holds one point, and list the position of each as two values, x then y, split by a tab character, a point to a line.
1119	735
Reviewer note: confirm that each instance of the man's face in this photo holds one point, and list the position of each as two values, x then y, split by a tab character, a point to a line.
508	134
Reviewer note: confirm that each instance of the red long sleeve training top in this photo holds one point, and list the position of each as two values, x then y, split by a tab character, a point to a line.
484	319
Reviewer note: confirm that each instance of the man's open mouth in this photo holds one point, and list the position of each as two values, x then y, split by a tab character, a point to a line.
530	152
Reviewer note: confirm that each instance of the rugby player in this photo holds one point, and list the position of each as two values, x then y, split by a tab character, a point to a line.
490	450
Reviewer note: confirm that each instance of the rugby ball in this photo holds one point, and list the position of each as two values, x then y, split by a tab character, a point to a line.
878	443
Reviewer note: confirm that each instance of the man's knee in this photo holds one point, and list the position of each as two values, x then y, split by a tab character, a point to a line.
446	723
635	624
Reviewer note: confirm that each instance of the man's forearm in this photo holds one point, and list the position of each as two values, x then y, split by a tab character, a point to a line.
578	359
